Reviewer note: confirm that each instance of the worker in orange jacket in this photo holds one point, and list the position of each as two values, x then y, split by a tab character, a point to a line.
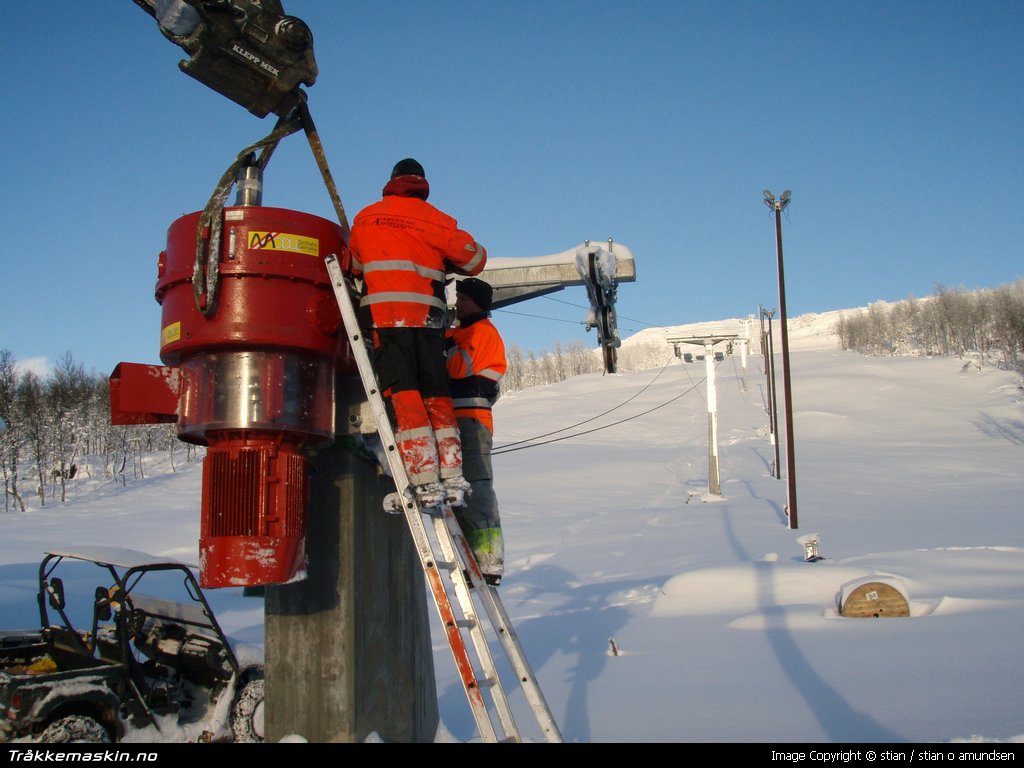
403	249
476	365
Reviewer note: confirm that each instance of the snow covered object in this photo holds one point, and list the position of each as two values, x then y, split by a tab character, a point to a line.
878	596
598	268
109	659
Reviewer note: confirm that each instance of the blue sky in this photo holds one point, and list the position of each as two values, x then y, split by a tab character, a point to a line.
897	126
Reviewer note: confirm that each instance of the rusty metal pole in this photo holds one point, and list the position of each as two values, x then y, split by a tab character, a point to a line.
777	206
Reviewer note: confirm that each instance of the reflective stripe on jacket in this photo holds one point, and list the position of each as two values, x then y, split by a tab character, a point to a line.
476	365
402	248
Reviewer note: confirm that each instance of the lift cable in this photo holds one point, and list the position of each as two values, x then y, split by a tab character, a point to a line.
556	319
540	317
737	379
575	322
592	418
702	396
623	317
598	429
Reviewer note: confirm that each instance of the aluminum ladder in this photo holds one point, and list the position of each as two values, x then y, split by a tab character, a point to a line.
442	547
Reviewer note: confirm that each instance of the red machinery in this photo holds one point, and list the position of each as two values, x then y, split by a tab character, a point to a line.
250	336
254	355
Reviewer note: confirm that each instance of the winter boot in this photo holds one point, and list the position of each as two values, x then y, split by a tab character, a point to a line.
430	497
490	579
457	490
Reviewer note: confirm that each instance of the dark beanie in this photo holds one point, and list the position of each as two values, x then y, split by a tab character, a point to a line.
477	290
407	167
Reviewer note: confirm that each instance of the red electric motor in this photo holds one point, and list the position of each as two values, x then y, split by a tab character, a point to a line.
257	354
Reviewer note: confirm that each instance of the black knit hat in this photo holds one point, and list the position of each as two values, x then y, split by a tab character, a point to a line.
479	291
407	167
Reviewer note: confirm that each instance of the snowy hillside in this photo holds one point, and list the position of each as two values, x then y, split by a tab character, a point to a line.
806	332
652	612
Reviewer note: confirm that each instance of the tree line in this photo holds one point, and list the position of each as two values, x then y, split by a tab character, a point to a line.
987	322
58	428
531	369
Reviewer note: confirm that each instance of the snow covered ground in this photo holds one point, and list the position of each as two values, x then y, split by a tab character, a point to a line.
653	612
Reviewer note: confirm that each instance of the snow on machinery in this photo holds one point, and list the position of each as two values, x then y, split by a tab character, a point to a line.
125	640
600	270
598	267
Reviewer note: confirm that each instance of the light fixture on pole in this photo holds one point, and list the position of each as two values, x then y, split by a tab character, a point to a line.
778	206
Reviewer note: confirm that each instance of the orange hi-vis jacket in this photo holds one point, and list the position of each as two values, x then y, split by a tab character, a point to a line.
476	366
402	247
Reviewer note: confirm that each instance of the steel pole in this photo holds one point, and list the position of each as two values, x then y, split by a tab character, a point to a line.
786	379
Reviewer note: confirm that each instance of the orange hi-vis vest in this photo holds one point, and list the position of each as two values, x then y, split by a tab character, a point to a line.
476	366
403	247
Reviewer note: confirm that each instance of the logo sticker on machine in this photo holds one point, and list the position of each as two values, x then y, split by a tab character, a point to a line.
170	333
283	241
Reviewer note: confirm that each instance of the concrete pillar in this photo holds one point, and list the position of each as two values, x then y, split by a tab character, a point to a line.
348	649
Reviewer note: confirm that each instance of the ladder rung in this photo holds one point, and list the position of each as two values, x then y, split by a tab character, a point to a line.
466	623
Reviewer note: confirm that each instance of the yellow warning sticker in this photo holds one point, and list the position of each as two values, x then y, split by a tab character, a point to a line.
283	241
170	333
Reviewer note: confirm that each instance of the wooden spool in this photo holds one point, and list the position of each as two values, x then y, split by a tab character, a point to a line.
874	600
